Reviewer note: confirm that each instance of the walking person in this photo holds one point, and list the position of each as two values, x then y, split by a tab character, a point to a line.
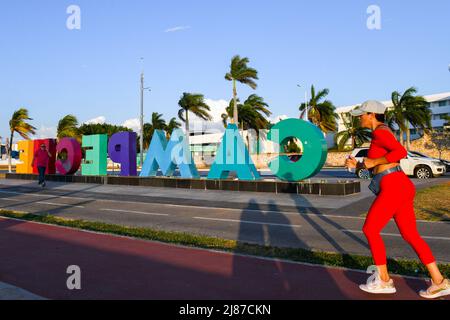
41	158
395	199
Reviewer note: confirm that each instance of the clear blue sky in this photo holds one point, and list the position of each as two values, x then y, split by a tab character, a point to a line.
94	71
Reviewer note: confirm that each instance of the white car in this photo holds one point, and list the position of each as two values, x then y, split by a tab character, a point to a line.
419	166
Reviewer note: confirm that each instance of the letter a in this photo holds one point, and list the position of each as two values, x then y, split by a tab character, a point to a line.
233	155
74	20
74	281
374	20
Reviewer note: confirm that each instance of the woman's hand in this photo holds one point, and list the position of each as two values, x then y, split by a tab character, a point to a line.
350	163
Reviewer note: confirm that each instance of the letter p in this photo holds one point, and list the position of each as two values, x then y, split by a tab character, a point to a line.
122	149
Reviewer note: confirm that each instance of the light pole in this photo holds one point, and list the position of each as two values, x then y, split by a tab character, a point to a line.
306	103
142	118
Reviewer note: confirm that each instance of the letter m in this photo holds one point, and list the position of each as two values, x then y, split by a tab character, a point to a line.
167	155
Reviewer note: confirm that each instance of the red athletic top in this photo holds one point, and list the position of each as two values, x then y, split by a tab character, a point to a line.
41	157
384	144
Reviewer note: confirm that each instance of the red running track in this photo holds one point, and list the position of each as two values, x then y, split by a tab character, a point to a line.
35	257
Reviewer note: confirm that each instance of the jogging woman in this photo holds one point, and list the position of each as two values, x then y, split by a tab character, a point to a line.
395	199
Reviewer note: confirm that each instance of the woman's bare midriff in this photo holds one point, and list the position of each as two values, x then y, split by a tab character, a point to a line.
383	167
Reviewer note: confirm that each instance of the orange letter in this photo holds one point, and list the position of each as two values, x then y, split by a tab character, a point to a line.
26	149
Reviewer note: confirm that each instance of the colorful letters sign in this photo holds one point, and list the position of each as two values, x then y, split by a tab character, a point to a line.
167	155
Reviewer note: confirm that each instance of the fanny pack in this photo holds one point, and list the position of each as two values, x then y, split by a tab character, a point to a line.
374	185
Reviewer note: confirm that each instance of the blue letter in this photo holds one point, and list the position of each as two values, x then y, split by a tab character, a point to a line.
233	155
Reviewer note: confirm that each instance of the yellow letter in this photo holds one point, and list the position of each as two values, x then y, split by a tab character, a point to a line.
26	149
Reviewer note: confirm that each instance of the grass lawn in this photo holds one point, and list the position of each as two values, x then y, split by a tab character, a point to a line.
398	266
432	204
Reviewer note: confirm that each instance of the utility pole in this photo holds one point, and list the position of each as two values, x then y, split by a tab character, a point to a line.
306	102
141	142
142	120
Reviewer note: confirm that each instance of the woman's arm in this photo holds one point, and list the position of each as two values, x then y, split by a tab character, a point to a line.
372	163
387	140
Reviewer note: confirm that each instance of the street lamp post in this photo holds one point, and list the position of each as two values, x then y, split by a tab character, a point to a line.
141	142
306	103
142	120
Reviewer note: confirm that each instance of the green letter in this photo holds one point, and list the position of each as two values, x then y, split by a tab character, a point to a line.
96	155
315	150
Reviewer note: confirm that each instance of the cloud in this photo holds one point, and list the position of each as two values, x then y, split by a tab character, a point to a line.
98	120
179	28
277	119
46	133
217	108
133	124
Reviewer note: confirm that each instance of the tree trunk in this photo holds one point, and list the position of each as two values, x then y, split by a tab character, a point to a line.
235	111
408	137
187	130
401	137
10	151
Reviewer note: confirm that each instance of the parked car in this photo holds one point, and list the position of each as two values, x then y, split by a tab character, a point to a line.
444	162
419	166
360	154
447	165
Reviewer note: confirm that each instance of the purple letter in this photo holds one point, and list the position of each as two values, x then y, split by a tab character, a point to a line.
122	149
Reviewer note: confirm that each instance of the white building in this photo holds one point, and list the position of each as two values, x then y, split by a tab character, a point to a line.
204	145
439	105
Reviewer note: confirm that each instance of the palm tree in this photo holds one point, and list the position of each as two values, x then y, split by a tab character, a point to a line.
157	123
194	103
227	117
409	109
321	113
172	125
19	124
253	115
353	131
68	127
239	71
259	105
254	112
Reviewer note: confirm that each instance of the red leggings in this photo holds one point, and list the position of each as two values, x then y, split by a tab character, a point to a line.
396	200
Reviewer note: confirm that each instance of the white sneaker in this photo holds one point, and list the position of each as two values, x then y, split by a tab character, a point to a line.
436	291
376	285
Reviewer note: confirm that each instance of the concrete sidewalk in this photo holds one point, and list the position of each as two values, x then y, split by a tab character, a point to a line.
36	257
352	205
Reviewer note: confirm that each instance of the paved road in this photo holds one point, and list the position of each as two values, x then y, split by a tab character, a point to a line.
35	257
310	222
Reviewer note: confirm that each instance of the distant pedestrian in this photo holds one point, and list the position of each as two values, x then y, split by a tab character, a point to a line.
41	158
